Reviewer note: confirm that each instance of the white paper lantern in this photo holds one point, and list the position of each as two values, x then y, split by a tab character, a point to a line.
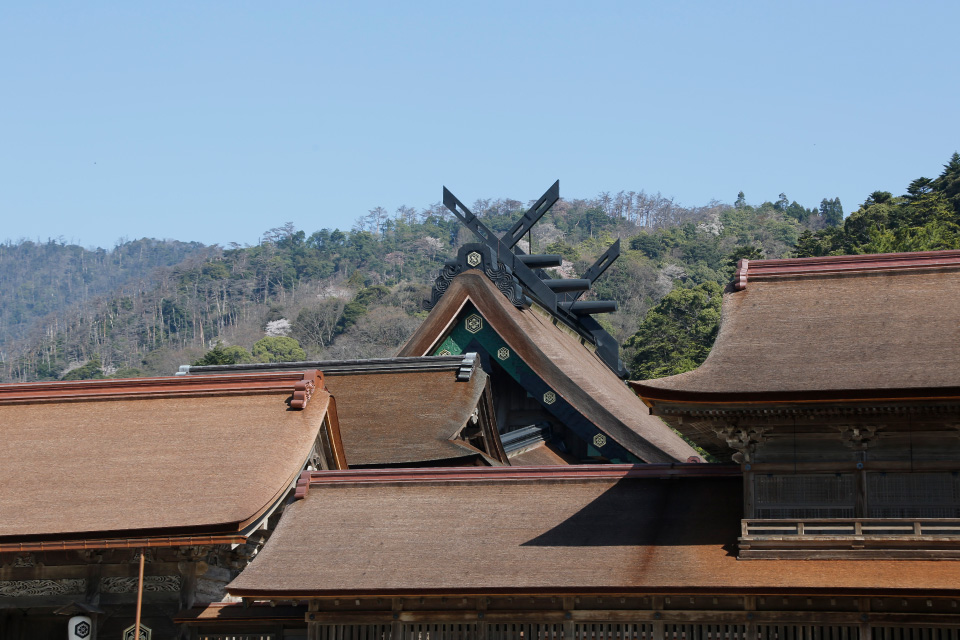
80	628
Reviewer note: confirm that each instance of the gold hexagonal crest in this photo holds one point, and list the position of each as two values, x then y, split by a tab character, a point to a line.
503	353
549	397
146	633
473	258
599	440
473	323
445	352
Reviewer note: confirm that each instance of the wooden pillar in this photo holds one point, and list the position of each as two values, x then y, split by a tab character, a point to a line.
92	595
188	592
483	629
313	628
750	605
569	627
748	493
188	583
866	630
861	508
657	606
12	626
396	627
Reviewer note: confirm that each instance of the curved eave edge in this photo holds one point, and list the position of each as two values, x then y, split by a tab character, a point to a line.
655	397
233	532
230	532
600	590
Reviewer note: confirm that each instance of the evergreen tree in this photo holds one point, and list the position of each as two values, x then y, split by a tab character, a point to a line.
918	188
948	183
832	212
676	335
90	371
278	349
220	354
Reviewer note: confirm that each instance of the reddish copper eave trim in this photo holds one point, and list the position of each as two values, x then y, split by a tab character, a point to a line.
651	396
120	543
301	384
759	269
600	591
507	474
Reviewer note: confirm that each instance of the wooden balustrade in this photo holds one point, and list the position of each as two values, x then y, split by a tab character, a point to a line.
851	537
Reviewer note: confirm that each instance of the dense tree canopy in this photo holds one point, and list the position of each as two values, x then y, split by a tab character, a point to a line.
225	355
148	306
926	218
676	335
278	349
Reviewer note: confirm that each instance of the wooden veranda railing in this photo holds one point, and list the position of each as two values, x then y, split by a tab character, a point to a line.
866	537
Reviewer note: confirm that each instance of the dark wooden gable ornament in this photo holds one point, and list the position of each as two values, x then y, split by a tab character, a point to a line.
521	277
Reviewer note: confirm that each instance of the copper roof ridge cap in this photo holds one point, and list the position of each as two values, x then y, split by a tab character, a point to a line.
155	381
161	387
506	473
156	395
834	265
861	262
333	367
953	254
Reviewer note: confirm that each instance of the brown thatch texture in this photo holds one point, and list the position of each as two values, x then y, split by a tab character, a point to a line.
536	536
393	418
571	370
831	333
165	465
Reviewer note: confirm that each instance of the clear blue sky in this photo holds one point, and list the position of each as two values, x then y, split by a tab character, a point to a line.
216	121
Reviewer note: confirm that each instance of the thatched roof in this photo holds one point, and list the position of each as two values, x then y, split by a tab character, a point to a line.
150	457
560	359
846	328
396	411
551	530
405	417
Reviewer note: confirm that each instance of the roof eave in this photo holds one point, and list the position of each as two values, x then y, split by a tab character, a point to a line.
657	397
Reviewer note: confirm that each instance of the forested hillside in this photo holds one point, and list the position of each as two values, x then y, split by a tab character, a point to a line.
676	336
148	306
37	279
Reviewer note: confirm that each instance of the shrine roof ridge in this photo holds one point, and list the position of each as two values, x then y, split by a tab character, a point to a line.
239	383
513	474
823	265
346	367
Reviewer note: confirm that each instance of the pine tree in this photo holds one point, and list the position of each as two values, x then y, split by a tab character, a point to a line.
949	181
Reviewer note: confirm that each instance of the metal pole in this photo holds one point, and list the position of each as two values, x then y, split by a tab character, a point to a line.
136	628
